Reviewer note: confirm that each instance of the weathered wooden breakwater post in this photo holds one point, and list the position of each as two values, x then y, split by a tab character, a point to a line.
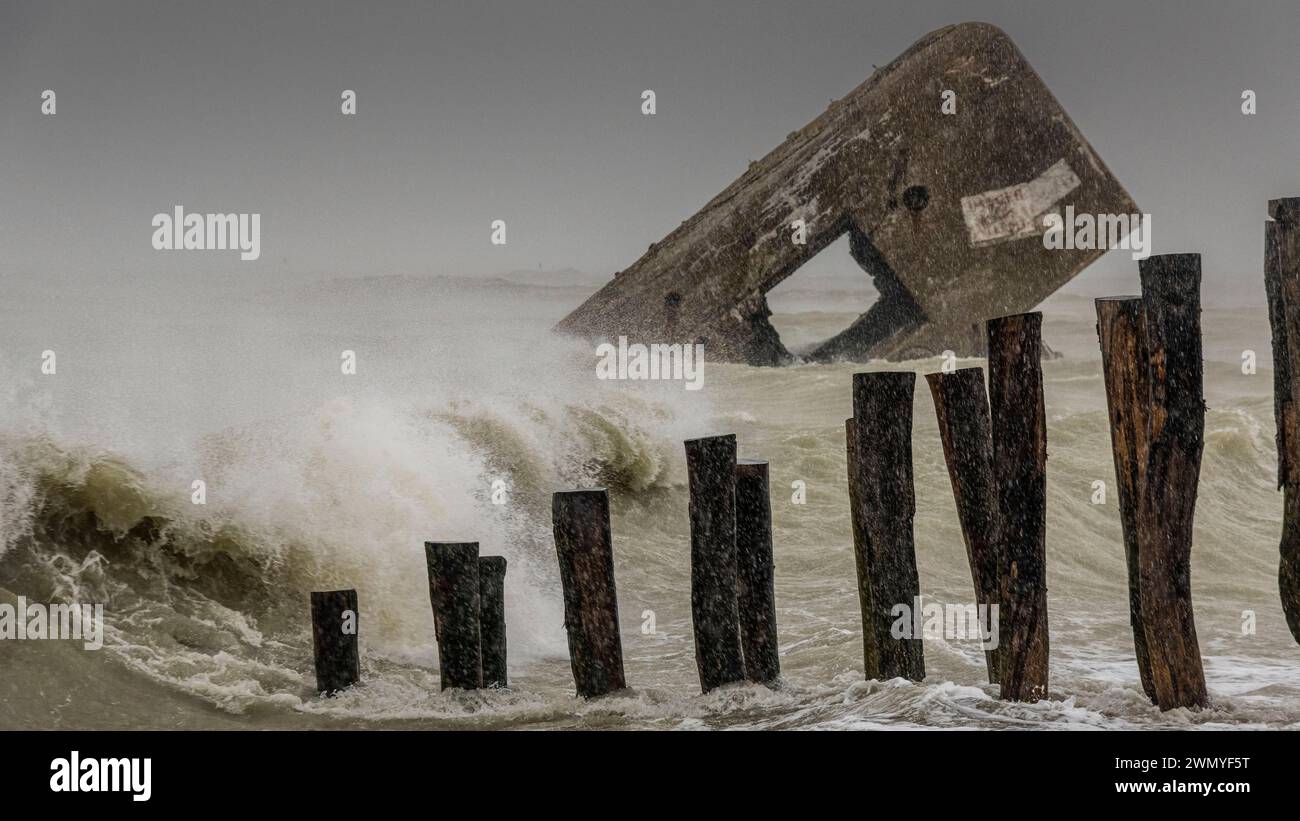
884	506
1121	331
492	619
870	652
584	547
962	407
334	618
1282	281
1171	297
755	596
715	614
1019	429
454	593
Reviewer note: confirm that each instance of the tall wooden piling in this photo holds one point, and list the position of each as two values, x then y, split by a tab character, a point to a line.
334	621
1121	331
1282	282
454	593
962	407
755	596
1171	297
492	619
1019	430
870	652
584	547
711	472
886	506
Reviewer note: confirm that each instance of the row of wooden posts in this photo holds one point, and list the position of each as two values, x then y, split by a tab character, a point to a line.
469	616
995	447
732	601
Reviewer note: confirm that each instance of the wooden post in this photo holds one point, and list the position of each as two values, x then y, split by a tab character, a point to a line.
454	593
1282	281
1121	331
1020	468
1171	297
492	619
870	652
754	589
334	618
584	546
962	406
711	472
886	505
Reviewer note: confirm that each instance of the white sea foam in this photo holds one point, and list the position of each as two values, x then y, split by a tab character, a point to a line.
317	480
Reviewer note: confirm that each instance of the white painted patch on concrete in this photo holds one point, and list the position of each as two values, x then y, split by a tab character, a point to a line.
1013	212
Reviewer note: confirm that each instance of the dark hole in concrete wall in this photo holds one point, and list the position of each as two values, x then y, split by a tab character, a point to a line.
916	198
672	301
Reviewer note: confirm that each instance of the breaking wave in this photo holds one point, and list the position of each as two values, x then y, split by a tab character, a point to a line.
310	487
210	598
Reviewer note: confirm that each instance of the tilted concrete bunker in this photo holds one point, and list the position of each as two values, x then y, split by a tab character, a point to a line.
943	210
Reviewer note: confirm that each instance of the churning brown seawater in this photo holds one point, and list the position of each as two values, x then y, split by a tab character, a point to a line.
316	480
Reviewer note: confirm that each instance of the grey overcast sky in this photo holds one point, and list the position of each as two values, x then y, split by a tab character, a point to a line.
530	112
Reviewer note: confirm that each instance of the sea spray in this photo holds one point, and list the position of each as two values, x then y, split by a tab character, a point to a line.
314	476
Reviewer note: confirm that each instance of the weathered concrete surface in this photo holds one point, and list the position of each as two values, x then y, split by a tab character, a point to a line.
943	211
